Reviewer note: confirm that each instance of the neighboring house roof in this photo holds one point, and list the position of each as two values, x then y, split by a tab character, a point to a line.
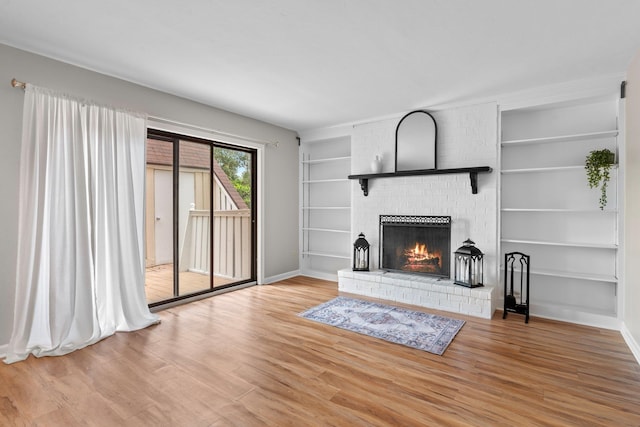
192	155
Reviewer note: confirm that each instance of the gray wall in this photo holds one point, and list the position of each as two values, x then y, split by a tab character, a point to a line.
632	202
281	170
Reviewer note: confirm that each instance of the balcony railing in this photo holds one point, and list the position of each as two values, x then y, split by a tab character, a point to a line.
231	245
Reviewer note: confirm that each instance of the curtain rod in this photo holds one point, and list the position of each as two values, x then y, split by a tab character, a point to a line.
23	86
16	83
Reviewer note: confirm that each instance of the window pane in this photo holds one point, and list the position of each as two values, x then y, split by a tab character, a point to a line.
194	206
232	216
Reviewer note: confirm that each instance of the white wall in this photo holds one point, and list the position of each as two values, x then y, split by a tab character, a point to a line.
467	137
280	178
632	208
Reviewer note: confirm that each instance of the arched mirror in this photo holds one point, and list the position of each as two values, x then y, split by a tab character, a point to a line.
416	136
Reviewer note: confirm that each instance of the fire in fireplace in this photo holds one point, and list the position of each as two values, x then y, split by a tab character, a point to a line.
415	244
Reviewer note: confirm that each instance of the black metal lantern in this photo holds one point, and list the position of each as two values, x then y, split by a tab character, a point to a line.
468	265
361	254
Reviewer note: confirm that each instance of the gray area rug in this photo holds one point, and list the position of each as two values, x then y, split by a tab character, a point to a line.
424	331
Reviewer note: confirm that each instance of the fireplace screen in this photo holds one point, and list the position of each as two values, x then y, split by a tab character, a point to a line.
415	244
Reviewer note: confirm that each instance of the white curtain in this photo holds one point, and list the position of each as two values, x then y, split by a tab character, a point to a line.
80	266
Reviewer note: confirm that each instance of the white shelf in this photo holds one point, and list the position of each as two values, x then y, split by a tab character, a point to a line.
326	255
562	138
550	169
568	274
542	170
325	208
564	244
326	230
327	160
553	210
573	275
575	313
320	181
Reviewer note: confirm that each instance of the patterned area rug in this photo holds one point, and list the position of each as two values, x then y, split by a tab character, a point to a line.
424	331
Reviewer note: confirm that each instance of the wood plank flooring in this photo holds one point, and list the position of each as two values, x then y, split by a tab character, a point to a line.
246	358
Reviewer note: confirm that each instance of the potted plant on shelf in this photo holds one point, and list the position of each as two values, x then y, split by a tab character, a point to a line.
598	166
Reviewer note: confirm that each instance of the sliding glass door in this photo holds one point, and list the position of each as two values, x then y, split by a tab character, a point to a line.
200	219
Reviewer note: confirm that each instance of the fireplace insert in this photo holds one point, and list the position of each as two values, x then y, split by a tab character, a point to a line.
416	244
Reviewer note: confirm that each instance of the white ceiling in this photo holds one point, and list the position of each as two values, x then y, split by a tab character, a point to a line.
305	64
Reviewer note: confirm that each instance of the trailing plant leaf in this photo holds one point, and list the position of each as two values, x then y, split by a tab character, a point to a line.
598	167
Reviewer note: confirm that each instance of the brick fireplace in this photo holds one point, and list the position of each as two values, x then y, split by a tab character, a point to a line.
466	137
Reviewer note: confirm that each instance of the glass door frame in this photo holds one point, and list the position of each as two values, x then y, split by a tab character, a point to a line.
175	139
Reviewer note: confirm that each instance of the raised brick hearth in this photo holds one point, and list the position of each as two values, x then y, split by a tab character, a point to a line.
424	291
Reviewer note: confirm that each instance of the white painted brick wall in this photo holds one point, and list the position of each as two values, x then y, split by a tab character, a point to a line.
466	137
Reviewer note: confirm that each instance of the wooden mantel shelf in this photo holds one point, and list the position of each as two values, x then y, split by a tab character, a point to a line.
473	175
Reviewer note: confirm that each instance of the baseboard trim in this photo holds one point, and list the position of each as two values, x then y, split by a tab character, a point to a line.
631	342
279	277
320	275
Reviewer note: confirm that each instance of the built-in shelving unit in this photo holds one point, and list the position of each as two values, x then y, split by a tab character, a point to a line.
325	210
549	212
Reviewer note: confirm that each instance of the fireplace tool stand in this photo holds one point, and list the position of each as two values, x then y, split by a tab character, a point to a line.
516	269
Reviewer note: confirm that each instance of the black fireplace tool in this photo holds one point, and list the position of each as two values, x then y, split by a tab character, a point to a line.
510	300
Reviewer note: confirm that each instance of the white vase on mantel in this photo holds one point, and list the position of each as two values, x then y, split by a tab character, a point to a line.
376	165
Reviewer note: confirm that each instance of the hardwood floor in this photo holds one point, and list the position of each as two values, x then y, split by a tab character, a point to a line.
246	358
